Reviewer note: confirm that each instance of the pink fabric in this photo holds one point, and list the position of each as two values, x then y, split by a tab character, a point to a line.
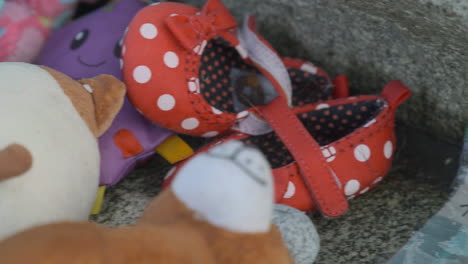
48	8
52	8
22	33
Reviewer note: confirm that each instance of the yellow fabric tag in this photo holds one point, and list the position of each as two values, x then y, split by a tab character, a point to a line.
99	199
174	149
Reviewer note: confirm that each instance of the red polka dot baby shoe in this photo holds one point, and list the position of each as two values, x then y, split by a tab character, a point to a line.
325	153
194	72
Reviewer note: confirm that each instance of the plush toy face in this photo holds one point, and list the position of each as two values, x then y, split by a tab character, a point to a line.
92	43
91	46
49	158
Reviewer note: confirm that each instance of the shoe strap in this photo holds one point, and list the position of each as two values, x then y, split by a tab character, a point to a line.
266	59
256	50
318	177
341	89
395	93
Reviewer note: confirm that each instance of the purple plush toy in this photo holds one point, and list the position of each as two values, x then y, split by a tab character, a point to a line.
90	46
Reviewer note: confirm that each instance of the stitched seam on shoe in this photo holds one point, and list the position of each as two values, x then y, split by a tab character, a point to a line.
206	113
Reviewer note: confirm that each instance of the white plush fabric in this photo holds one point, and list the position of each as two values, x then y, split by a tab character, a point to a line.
235	176
298	233
62	184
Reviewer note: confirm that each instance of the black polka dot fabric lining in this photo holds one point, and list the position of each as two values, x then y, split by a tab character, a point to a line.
219	57
309	88
325	125
217	60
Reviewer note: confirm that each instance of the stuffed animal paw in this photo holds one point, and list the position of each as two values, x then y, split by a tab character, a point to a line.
218	210
49	156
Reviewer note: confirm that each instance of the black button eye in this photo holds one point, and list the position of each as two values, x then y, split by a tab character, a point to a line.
79	39
118	48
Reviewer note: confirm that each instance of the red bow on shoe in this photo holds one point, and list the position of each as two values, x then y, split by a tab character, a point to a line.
192	30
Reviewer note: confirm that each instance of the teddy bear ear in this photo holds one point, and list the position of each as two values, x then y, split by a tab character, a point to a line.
108	96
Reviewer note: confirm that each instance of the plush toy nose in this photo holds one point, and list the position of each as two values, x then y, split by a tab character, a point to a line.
246	158
230	186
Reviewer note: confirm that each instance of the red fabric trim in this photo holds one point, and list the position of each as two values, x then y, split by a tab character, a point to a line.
128	143
321	184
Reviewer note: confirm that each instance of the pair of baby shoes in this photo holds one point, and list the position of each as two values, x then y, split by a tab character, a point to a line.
195	72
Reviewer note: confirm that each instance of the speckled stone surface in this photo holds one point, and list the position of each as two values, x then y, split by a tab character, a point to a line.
125	202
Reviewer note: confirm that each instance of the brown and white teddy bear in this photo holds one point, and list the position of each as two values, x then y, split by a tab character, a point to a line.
49	157
218	210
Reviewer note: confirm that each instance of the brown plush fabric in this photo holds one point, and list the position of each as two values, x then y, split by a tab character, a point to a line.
14	161
171	235
90	243
108	97
98	108
81	99
227	247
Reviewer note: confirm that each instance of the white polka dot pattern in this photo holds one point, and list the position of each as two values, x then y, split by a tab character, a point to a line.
290	191
171	59
210	134
190	123
166	102
388	149
148	31
379	179
216	111
352	187
142	74
362	153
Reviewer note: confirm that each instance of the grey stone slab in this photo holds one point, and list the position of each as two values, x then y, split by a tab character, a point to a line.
423	43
